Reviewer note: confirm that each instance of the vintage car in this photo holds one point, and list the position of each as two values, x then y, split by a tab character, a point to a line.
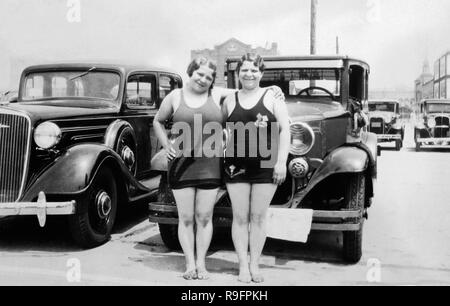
78	143
384	120
433	123
332	160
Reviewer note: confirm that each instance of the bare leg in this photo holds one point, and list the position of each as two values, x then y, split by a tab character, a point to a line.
261	196
185	206
204	207
240	202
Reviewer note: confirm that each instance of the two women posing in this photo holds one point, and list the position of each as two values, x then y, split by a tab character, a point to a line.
195	181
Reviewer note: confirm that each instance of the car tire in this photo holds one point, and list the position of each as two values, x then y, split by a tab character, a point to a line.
169	232
354	199
417	146
96	211
398	145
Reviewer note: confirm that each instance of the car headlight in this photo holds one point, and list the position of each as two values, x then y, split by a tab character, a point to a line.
431	122
47	135
302	138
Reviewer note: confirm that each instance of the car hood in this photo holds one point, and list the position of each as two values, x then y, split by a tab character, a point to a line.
313	111
52	110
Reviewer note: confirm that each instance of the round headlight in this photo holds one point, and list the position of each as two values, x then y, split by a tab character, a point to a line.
302	138
47	135
431	122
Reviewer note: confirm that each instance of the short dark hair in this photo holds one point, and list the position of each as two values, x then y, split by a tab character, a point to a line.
255	58
202	61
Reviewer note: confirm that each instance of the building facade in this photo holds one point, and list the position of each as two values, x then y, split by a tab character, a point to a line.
437	84
231	48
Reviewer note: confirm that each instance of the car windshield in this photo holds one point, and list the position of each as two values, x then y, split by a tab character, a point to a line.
382	107
295	82
438	108
86	83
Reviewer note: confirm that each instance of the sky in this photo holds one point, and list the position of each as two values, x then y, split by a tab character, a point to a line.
393	36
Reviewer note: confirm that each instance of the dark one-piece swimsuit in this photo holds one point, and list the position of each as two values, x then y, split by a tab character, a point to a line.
195	171
248	168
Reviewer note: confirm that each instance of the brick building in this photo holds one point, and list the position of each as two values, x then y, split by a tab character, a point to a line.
231	48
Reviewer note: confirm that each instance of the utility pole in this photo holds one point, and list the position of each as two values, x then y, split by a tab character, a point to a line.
313	26
337	45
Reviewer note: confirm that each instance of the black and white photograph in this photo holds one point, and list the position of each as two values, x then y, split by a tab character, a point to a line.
224	147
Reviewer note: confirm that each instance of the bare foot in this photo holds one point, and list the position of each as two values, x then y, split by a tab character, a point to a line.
257	277
190	275
202	274
244	275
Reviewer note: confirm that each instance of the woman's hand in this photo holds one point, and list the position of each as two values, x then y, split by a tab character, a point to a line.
277	93
170	152
279	173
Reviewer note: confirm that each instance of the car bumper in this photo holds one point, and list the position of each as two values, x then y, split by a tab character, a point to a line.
41	209
434	141
342	220
389	137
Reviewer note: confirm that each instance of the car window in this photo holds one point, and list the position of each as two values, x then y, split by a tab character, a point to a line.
167	83
71	84
141	91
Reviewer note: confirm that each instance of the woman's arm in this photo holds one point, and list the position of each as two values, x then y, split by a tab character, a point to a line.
282	116
164	113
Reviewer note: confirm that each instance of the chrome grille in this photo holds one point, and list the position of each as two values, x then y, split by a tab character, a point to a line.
377	125
15	135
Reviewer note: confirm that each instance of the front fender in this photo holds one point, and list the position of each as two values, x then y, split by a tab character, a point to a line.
159	162
72	172
348	159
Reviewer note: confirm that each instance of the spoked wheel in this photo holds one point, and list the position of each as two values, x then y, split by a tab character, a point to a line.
354	198
92	224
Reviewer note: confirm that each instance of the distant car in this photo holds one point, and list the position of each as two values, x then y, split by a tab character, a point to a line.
79	142
384	120
332	160
433	123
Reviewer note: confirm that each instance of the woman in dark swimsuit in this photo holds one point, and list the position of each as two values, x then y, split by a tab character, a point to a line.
195	180
251	183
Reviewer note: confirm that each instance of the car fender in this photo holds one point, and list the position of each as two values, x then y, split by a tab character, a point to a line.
347	159
159	162
113	131
72	172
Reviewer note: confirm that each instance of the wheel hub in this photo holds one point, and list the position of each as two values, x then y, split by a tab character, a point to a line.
103	203
128	157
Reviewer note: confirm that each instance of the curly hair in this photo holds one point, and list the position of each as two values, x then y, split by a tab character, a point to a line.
202	61
255	58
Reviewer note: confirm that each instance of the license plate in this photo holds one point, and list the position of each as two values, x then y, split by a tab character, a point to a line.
376	124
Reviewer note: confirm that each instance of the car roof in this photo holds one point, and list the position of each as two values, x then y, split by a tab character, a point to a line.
306	57
443	101
383	101
126	68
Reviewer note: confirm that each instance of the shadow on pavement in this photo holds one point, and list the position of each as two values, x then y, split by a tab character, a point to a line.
25	234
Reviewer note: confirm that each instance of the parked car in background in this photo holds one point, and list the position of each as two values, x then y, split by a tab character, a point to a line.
332	160
384	120
433	123
79	142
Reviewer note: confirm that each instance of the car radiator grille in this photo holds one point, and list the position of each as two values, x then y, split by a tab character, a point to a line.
14	150
377	125
442	127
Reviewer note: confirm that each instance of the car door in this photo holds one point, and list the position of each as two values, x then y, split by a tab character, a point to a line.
140	107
